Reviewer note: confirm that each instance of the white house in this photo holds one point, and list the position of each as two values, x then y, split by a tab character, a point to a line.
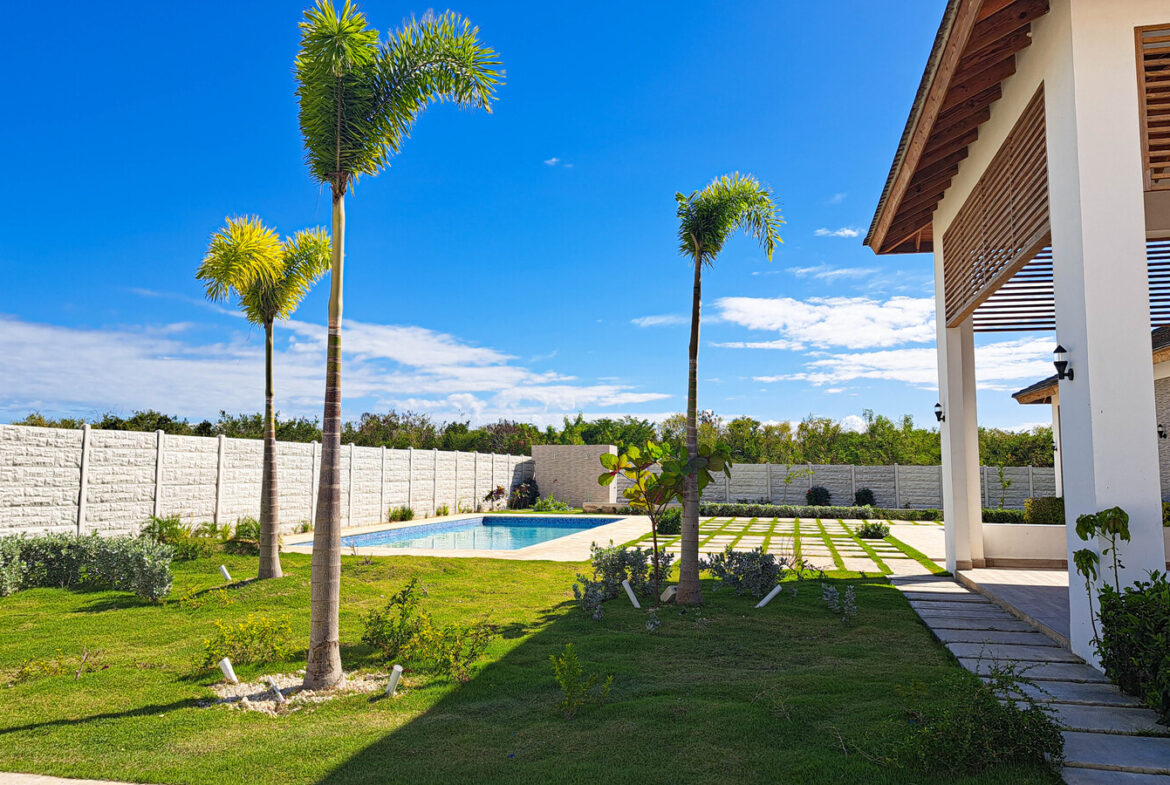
1035	166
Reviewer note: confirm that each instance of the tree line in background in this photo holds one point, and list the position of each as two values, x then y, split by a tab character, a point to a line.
818	440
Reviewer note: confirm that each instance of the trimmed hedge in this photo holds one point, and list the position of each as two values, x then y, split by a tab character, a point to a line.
137	565
1044	511
792	511
671	521
991	515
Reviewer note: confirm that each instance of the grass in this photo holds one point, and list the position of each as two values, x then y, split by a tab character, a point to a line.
785	694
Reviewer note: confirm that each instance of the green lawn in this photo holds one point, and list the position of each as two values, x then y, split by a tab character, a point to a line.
785	694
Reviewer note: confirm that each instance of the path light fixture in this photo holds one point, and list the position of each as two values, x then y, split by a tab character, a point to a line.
1060	360
1161	431
392	685
227	576
938	412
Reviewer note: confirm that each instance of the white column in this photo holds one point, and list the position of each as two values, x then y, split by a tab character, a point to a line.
1057	455
218	478
158	472
1108	438
83	479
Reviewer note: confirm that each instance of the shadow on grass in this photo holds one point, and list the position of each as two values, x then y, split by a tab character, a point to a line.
139	711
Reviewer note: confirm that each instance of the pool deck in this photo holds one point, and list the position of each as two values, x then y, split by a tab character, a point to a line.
571	547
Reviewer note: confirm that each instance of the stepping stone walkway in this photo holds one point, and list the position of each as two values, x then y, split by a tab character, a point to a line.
1109	737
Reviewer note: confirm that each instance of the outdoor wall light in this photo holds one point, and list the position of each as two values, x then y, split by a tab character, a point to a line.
1060	360
938	412
1161	431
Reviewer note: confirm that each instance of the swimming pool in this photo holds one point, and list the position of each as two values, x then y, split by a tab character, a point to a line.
483	533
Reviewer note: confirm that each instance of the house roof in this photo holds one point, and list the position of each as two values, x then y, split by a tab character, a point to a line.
1043	390
974	51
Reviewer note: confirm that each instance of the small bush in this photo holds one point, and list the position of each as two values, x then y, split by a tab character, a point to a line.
613	565
1166	513
1044	510
984	724
864	498
1002	516
304	527
873	530
400	514
670	521
66	561
391	629
747	572
844	605
257	639
577	689
495	495
817	496
188	543
524	495
549	504
12	567
441	510
1135	640
248	528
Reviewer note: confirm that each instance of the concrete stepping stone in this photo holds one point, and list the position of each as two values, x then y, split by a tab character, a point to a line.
1139	754
1029	638
1040	671
1107	719
952	622
958	606
927	596
1096	694
1079	776
1013	651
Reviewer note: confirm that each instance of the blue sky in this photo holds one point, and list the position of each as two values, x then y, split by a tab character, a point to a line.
518	264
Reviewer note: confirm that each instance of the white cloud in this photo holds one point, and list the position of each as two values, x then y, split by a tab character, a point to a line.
551	161
836	198
779	343
844	231
853	423
1017	360
661	320
827	273
851	322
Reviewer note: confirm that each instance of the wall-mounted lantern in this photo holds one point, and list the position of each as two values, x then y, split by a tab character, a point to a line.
1060	360
938	412
1161	431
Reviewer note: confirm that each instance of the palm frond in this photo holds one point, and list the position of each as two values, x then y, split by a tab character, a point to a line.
242	254
728	204
359	97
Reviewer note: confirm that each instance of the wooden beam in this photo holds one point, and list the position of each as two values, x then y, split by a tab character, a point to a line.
972	105
936	181
944	164
991	6
905	226
966	16
942	136
976	61
1005	21
931	197
977	83
932	157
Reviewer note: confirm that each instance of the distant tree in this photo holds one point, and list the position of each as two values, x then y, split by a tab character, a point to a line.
706	219
268	278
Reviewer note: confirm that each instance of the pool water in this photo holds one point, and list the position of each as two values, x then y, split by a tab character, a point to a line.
487	533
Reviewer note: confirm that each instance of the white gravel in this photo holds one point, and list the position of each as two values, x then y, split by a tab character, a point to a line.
258	696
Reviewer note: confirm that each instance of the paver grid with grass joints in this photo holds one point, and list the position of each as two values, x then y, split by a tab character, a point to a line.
1109	737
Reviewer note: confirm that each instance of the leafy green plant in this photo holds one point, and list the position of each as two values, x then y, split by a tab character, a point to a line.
1004	483
523	495
188	542
12	567
991	515
873	530
670	522
613	565
1044	510
792	474
1134	646
400	514
747	572
817	496
549	504
844	605
984	724
577	688
248	528
864	498
256	639
391	628
442	509
66	560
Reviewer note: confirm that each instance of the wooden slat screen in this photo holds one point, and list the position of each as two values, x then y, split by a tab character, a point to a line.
1153	56
1004	222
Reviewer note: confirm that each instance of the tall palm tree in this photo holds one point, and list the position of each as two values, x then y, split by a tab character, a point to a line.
359	97
706	219
269	278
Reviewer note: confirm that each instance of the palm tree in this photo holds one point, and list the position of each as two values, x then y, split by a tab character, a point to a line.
269	278
359	97
706	219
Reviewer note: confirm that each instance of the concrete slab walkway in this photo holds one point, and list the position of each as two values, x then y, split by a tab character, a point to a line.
1109	737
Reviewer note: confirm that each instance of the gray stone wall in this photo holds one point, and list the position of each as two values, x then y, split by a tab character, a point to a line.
906	487
129	476
569	472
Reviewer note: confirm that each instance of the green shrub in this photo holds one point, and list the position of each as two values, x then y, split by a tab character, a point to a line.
983	724
188	543
549	504
1166	513
257	639
1135	640
523	495
248	528
864	498
670	522
390	629
400	514
991	515
12	567
613	565
722	510
66	561
442	509
577	689
747	572
873	530
817	496
1044	510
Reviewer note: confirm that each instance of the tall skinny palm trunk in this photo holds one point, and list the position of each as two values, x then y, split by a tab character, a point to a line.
269	512
323	669
689	591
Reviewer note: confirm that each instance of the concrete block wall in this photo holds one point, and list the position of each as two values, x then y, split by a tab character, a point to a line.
569	472
129	476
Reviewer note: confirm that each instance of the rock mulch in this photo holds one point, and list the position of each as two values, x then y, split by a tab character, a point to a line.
258	696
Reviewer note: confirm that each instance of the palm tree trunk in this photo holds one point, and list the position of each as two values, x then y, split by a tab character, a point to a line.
689	591
269	514
323	669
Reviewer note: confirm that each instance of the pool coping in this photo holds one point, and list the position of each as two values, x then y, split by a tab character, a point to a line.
571	547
